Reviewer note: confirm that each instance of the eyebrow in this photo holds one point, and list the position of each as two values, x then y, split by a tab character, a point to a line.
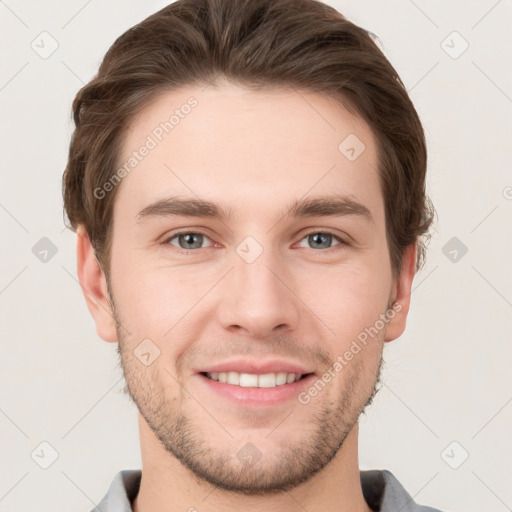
332	206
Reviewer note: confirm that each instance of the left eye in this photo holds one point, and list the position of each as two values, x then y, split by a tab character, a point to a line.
320	239
192	240
189	240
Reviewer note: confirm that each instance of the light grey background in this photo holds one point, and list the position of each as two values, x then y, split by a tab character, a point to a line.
447	378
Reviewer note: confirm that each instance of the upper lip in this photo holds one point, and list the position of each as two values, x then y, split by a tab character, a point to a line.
257	367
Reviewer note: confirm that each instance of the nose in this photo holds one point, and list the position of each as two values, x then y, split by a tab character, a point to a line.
258	300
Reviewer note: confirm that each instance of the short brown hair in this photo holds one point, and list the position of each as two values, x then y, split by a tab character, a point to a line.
259	44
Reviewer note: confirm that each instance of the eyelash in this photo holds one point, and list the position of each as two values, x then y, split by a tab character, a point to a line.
189	252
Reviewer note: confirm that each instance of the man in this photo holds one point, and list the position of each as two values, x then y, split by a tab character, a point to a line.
247	184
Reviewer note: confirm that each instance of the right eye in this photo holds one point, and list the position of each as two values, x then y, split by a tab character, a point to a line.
187	240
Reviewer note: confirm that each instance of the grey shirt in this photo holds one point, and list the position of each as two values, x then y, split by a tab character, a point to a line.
381	490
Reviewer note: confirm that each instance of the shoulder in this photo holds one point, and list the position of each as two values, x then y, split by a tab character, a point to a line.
384	493
121	493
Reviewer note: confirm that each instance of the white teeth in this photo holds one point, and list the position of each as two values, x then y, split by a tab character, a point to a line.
233	378
280	379
248	380
251	380
268	380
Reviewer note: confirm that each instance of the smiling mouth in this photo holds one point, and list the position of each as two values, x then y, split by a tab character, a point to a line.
252	380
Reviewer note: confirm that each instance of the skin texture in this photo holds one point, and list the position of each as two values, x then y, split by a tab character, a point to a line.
299	301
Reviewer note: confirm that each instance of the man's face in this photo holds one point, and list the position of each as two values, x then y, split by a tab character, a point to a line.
257	292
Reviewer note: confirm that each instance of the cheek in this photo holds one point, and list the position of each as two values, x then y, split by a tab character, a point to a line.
145	301
161	304
347	298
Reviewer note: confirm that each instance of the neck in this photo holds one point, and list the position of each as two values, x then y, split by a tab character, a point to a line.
167	485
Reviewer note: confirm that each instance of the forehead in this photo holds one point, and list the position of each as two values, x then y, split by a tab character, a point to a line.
250	151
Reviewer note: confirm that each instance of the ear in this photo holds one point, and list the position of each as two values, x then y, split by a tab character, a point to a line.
402	294
94	287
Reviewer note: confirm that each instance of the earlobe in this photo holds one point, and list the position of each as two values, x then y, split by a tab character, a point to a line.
94	287
403	285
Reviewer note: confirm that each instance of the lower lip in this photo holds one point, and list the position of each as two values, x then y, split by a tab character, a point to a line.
258	396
